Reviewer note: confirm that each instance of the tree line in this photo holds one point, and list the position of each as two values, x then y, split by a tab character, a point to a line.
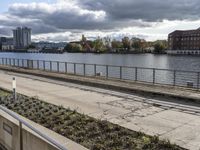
125	45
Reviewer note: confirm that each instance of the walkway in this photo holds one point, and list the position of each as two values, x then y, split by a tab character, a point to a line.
170	119
120	85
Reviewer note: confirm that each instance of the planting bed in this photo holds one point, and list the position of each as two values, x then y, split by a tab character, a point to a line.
89	132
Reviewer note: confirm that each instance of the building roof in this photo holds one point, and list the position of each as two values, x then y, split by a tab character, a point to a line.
182	32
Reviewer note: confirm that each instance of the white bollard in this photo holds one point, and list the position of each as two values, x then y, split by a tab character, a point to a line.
14	88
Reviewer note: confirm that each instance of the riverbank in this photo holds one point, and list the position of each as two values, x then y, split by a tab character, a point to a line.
75	52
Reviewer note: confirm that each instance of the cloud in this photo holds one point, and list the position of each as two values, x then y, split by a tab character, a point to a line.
65	18
68	15
5	31
62	15
146	10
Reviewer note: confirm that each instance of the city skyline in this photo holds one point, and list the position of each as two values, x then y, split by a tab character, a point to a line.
67	20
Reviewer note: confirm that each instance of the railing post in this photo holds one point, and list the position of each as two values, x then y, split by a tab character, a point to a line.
107	71
14	62
10	61
44	68
18	62
38	64
32	64
6	61
50	66
174	78
65	67
120	72
95	69
136	70
84	71
154	75
198	80
21	135
74	68
28	64
28	61
58	66
22	62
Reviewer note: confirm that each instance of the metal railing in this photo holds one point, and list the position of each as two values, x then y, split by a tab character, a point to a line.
22	122
150	75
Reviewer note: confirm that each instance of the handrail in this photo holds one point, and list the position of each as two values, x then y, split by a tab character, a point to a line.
50	140
54	61
174	77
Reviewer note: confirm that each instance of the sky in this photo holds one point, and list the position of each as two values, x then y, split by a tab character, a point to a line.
67	20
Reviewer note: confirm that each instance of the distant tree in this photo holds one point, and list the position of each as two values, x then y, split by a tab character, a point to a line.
85	44
73	47
159	48
126	43
137	45
116	44
98	45
107	43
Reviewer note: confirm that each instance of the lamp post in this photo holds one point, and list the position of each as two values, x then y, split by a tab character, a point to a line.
14	88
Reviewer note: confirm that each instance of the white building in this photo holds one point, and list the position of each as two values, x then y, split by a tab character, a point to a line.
22	37
8	45
49	45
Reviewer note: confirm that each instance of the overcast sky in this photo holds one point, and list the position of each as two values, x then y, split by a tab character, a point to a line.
66	20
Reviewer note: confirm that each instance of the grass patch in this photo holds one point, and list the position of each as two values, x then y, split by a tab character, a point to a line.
87	131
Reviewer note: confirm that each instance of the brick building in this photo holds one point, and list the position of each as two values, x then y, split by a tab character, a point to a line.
184	42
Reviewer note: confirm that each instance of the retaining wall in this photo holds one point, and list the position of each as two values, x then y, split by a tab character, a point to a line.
10	137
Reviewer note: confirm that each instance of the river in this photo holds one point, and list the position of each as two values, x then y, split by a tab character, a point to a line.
190	63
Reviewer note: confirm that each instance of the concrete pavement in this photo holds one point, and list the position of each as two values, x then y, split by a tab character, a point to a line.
183	93
154	116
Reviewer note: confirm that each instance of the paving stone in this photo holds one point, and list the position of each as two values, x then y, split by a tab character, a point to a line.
185	135
176	116
155	126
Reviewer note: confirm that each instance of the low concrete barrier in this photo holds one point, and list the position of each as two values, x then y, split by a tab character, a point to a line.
10	135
